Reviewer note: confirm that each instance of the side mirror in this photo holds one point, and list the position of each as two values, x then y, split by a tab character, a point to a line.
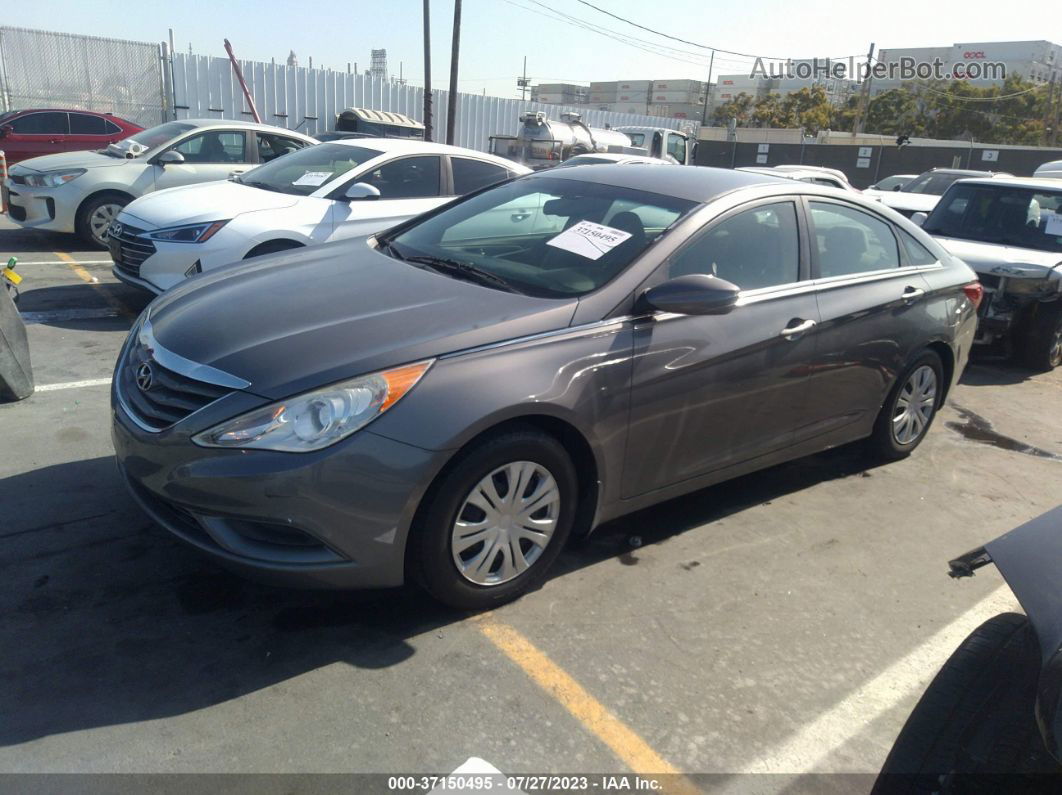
897	187
170	157
919	218
361	191
6	130
695	294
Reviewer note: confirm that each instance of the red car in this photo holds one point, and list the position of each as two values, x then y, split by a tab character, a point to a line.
33	132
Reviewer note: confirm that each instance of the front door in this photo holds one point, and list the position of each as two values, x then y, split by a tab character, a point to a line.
35	134
208	156
408	186
712	391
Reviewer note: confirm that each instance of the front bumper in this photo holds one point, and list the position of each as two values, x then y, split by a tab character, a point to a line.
50	209
337	518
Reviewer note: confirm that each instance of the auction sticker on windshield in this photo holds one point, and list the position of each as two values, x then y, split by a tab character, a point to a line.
1054	225
589	240
313	178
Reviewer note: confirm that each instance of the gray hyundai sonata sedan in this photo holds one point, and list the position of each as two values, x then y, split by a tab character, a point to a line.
450	400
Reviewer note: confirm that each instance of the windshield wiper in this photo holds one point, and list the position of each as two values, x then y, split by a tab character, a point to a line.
462	270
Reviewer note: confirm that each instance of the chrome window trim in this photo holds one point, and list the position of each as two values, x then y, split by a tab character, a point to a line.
186	367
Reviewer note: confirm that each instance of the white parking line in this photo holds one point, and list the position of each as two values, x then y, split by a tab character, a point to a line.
806	750
73	384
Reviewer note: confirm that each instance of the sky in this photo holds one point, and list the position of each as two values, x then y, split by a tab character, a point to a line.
497	34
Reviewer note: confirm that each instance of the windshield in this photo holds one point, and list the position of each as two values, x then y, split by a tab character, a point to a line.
549	237
1025	217
303	172
157	136
933	183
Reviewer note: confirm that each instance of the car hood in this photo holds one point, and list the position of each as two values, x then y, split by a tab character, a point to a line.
298	320
63	160
1001	260
911	202
208	201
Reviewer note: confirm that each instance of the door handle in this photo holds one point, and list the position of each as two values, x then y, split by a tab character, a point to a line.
792	332
516	217
912	294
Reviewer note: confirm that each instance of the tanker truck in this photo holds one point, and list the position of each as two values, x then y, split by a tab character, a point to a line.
543	143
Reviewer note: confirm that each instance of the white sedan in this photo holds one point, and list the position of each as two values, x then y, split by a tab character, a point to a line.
82	192
327	192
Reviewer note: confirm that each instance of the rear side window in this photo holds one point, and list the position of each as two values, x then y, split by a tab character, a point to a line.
470	175
917	254
753	249
40	124
407	178
83	124
851	241
273	146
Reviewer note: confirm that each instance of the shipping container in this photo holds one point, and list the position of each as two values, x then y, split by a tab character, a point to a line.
692	86
676	96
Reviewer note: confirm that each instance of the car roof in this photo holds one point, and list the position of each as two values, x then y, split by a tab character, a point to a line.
64	110
971	172
250	125
1052	183
693	183
391	146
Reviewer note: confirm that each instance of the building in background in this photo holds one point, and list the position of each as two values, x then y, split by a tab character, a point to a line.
561	93
1034	61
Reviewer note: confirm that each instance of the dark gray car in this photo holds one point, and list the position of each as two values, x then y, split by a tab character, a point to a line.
451	399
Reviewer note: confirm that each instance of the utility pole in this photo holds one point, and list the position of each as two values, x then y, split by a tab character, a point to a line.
451	111
1049	107
523	82
1055	116
427	72
864	95
707	93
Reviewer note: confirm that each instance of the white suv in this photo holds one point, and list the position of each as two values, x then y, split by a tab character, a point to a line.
83	192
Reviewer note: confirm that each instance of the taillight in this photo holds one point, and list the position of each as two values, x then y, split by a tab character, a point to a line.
975	292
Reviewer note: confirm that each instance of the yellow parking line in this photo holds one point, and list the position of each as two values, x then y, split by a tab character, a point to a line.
93	282
623	741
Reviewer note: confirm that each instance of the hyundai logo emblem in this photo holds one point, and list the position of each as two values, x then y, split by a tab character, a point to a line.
145	379
116	229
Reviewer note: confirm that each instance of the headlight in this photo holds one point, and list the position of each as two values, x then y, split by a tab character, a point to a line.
190	233
317	419
53	179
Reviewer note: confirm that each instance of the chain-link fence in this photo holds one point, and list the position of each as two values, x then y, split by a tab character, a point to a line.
41	69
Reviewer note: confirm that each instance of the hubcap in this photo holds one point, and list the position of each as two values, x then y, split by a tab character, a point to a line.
1056	346
101	220
915	405
505	523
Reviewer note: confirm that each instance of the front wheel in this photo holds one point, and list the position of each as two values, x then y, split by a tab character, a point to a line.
1042	349
909	409
95	217
492	526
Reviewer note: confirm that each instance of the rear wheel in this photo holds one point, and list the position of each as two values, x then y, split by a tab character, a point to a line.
272	247
1042	346
96	215
909	409
494	523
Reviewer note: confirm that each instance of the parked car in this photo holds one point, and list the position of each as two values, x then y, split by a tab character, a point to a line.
991	719
610	159
1009	230
813	175
83	192
327	192
895	182
46	131
922	193
452	398
839	175
1052	170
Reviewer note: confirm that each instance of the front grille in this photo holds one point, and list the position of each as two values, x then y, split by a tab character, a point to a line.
128	249
169	397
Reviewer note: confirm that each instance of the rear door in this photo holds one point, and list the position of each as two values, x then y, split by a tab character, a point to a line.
208	156
35	134
90	132
709	392
872	299
408	186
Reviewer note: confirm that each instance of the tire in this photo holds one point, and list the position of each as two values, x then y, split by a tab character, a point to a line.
974	729
890	439
1041	347
96	211
437	549
272	247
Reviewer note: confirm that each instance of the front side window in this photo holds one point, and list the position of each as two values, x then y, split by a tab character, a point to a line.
304	172
40	124
406	178
213	146
851	241
1023	217
470	175
545	236
753	249
84	124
